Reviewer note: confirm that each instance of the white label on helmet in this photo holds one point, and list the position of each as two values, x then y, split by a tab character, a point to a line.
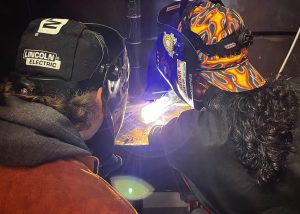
41	58
51	25
181	75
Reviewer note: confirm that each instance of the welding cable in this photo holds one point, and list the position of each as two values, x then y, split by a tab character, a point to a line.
288	55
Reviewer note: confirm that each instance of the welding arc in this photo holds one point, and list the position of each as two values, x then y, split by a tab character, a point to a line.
288	55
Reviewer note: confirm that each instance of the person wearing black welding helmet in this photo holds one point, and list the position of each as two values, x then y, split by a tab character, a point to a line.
235	147
69	89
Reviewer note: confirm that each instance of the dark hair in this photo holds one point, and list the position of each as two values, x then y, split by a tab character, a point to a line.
260	127
79	106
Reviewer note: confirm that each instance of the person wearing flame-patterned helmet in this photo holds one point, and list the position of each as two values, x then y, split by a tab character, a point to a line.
233	147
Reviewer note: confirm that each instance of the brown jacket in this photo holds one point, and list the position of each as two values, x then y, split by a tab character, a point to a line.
40	168
63	186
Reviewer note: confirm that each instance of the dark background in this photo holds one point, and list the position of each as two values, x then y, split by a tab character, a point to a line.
276	17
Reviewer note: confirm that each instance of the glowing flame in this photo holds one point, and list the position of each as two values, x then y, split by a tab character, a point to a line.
156	109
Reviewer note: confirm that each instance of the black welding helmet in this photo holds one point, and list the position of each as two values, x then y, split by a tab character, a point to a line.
116	79
61	55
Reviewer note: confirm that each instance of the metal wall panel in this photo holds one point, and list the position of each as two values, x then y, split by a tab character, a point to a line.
268	53
271	15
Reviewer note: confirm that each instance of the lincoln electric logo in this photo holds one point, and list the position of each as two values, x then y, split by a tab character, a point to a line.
42	58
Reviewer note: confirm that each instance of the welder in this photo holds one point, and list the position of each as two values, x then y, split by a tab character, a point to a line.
51	115
233	147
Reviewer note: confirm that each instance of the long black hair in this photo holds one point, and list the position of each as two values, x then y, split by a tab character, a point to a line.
260	123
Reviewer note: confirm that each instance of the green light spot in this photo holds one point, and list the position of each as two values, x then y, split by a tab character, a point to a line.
132	188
